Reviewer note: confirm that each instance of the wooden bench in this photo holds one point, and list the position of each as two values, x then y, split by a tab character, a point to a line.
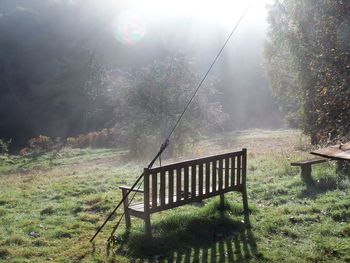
306	168
186	182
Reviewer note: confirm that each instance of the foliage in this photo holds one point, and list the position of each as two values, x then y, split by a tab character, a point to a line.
4	146
308	64
151	99
51	77
100	139
41	142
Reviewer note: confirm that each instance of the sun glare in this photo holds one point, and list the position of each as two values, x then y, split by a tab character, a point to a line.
196	9
131	22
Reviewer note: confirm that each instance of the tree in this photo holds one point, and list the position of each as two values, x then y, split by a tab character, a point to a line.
150	100
309	61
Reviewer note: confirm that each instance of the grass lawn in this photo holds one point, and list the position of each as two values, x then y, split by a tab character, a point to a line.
51	205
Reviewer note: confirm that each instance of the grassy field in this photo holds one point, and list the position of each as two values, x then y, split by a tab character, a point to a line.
51	205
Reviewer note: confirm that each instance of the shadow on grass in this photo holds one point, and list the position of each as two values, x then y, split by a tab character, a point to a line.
204	235
324	184
35	157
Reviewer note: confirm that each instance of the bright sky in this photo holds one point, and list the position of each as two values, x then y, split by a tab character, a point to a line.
132	20
215	10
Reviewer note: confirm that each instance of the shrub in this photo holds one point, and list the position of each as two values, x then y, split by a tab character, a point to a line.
40	144
4	146
98	139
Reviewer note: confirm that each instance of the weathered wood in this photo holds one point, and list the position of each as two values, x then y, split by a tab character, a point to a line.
309	161
207	178
186	184
335	152
127	188
220	175
147	214
239	169
139	207
125	204
171	186
200	179
227	172
306	169
213	174
178	184
196	180
154	190
244	181
195	161
233	171
193	179
162	188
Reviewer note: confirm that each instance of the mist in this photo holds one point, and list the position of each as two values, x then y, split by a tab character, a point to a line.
57	58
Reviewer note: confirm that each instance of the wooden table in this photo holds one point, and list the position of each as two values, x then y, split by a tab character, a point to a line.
337	152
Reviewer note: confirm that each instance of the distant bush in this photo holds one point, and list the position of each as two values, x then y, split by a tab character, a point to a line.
4	146
40	144
98	139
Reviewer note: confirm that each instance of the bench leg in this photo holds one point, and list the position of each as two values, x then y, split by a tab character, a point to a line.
245	201
126	210
148	228
306	174
222	201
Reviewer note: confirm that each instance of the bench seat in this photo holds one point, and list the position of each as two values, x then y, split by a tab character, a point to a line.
309	162
140	208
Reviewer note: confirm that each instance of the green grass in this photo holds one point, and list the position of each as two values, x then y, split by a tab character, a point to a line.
51	205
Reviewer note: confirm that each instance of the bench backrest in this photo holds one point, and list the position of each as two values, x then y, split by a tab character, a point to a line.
190	181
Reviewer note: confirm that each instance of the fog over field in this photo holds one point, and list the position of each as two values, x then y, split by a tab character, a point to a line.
58	59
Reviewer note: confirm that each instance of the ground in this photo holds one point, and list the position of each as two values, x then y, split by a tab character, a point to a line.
51	205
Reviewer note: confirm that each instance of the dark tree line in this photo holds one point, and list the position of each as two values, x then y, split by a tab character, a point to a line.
49	75
308	60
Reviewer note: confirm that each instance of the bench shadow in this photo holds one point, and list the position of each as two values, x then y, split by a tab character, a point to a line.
319	187
217	238
240	247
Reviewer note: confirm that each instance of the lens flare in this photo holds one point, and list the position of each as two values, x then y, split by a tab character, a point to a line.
129	27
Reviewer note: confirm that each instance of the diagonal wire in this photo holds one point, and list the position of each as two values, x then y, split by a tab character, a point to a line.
122	215
166	142
209	69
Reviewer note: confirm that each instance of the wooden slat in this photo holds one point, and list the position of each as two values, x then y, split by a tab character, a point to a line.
162	189
193	180
146	189
227	172
186	184
207	177
239	167
200	179
171	186
154	190
220	174
178	184
196	199
194	162
309	162
244	167
213	174
233	171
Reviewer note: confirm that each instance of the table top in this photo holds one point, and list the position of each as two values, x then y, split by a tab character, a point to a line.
338	152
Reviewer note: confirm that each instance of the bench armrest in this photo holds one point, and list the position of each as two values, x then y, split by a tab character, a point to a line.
127	188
